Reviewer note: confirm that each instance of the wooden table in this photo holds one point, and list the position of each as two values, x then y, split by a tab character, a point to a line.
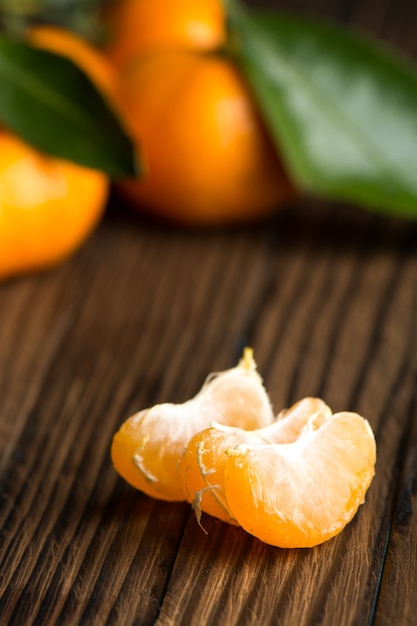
327	297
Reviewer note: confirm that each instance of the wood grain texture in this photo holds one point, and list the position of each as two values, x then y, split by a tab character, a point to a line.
326	295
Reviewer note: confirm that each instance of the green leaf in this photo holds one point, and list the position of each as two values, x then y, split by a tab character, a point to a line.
49	102
342	110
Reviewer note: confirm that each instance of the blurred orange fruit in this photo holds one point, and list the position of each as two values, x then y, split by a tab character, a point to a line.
48	206
139	26
207	157
202	467
149	445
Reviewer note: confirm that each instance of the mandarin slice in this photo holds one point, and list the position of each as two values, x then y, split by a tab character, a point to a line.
201	469
301	494
147	448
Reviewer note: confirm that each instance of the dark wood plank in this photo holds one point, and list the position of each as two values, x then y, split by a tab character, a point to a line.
397	601
328	310
338	315
143	329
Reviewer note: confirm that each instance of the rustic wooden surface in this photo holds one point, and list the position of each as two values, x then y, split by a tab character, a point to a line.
326	295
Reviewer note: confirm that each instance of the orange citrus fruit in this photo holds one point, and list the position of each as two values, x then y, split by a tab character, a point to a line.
148	447
207	157
139	26
293	483
48	206
304	492
202	467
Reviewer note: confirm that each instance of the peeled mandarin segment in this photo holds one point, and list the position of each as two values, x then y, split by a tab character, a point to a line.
289	423
145	450
201	474
303	493
202	467
148	447
237	397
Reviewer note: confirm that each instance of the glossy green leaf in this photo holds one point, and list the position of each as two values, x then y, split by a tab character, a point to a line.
342	110
52	104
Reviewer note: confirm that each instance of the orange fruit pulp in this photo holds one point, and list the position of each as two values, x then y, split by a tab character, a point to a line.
48	206
147	448
202	467
299	493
